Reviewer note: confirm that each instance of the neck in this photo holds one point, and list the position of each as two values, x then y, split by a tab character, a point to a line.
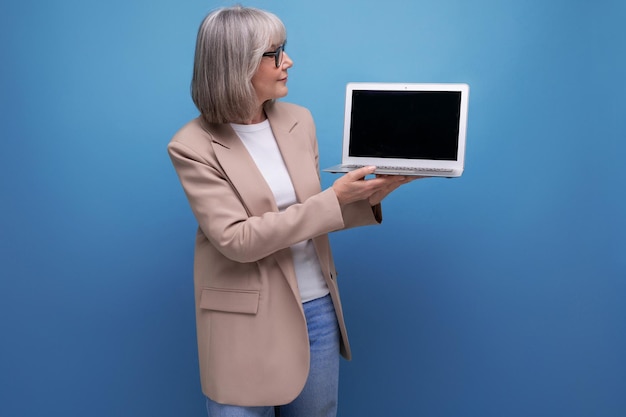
258	117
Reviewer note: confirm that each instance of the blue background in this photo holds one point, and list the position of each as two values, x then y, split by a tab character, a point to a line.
497	294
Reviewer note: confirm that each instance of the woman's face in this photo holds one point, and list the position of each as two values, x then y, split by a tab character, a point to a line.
270	82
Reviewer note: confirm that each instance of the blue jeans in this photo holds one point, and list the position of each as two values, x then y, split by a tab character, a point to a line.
320	393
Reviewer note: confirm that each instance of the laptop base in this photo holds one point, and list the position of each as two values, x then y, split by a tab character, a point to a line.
384	170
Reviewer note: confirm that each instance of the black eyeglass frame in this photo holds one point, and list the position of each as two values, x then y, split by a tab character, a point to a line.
277	54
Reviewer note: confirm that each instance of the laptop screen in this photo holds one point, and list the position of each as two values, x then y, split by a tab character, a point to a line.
405	124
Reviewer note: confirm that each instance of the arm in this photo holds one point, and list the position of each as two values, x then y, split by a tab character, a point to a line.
228	222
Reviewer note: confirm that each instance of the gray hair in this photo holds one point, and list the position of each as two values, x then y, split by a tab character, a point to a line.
229	48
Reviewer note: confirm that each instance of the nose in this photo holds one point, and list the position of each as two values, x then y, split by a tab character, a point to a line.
287	62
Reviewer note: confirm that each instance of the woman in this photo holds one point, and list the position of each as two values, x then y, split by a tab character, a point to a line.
269	321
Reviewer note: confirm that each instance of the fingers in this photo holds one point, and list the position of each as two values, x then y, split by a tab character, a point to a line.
354	187
389	180
360	173
398	180
407	178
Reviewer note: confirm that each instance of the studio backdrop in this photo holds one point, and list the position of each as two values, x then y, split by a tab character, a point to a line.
496	294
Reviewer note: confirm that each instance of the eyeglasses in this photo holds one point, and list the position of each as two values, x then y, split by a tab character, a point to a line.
277	54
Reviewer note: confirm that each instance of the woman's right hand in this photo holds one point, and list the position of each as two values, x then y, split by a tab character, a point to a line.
353	186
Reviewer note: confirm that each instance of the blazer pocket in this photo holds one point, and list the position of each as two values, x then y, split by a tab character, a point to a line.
231	301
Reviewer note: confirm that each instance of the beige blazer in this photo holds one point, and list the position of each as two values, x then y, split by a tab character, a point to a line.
252	337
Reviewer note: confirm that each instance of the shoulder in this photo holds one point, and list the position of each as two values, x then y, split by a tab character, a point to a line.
195	142
191	133
199	136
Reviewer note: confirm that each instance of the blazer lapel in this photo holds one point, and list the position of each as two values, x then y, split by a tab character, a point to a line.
241	170
295	148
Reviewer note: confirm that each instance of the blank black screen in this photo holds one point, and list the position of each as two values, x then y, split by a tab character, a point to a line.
405	124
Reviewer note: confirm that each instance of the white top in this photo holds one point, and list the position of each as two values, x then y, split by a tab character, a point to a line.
261	145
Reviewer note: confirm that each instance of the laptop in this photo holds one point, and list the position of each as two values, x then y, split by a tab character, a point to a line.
405	128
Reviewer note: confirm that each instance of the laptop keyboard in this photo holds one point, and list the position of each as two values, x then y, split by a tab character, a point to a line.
404	169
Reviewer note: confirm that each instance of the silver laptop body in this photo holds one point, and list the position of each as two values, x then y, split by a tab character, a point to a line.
405	129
